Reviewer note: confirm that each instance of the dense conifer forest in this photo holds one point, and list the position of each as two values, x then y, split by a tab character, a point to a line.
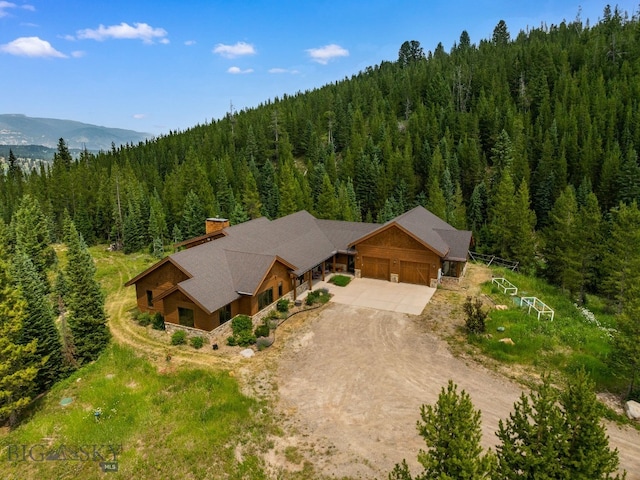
528	139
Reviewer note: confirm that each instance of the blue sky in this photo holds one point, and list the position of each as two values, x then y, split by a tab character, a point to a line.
158	65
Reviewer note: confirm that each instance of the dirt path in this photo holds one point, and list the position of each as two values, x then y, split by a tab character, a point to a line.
353	379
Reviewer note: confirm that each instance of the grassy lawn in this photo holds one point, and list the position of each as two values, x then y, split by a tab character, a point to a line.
185	424
572	340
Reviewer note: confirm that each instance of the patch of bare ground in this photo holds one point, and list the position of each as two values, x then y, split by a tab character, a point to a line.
349	383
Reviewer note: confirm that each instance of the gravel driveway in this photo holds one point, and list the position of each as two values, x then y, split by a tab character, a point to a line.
351	381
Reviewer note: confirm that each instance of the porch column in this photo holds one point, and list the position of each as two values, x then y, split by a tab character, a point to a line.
322	266
295	287
310	273
334	264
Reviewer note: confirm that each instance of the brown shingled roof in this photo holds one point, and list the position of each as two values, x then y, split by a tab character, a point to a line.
222	270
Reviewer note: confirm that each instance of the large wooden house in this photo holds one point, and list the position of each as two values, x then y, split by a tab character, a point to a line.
244	268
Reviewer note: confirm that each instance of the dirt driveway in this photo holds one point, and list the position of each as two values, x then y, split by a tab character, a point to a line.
351	381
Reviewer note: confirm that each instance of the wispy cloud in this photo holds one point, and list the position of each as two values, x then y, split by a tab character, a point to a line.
188	43
31	47
283	70
139	31
233	51
139	116
238	71
324	54
4	6
78	53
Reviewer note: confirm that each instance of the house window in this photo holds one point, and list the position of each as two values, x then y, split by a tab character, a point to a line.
265	299
279	289
185	316
224	314
149	299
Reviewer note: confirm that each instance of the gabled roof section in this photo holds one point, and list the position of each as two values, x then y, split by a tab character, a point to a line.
428	229
154	267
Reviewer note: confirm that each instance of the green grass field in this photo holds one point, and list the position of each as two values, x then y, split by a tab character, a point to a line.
185	424
574	339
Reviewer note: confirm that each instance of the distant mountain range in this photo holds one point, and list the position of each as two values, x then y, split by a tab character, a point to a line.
16	129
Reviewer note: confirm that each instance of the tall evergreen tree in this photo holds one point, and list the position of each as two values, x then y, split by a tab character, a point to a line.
621	261
39	323
562	259
85	301
327	204
452	431
193	216
18	366
32	235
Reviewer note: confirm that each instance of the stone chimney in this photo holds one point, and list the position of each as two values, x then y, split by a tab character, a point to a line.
216	224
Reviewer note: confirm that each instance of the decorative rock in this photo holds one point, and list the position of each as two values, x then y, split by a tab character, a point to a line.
507	340
632	409
247	353
500	329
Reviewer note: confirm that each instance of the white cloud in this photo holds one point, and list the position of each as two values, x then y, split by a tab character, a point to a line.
139	31
4	6
237	71
188	43
322	55
283	70
31	47
139	116
78	53
233	51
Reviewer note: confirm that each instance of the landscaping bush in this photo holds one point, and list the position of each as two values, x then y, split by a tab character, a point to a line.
475	316
241	323
318	296
283	305
197	342
245	339
340	280
144	319
242	327
262	331
158	322
179	338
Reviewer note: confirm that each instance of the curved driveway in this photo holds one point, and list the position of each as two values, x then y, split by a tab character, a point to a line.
352	380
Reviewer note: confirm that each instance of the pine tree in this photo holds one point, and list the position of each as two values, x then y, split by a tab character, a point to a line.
522	222
560	237
18	368
436	202
39	323
287	187
625	354
193	216
588	241
327	204
32	235
588	456
533	438
251	197
87	319
452	431
621	261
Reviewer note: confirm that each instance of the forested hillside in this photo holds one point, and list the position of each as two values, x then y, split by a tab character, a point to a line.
528	139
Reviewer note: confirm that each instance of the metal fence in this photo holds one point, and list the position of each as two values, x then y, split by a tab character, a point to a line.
493	260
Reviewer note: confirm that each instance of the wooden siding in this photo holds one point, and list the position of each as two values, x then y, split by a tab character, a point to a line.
398	247
201	319
157	281
278	273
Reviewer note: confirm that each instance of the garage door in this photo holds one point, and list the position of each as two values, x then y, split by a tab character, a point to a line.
415	272
373	267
